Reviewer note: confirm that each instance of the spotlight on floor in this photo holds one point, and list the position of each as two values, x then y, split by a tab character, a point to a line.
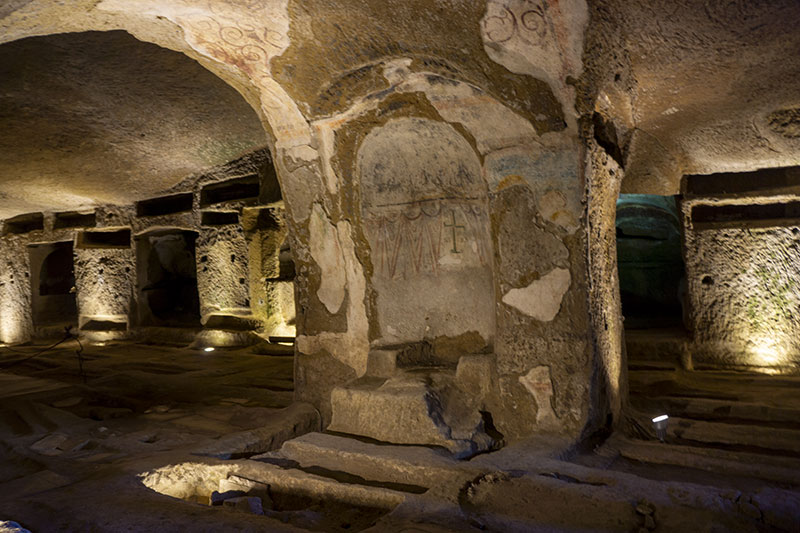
208	349
660	424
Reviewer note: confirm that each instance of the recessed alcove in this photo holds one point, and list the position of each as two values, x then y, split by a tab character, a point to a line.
53	284
105	239
167	278
74	219
219	218
24	223
165	205
230	190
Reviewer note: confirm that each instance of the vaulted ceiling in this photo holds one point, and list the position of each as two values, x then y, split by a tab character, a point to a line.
102	117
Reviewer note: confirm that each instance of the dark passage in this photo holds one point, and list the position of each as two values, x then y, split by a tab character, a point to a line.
168	279
652	275
52	284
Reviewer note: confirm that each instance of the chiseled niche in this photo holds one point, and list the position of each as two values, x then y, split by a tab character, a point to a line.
425	214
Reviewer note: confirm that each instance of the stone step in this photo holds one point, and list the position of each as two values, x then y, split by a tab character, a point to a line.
714	410
410	409
272	348
413	465
278	480
737	436
294	420
742	464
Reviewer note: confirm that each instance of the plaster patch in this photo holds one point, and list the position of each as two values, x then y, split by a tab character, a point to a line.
325	134
542	298
327	253
396	70
351	347
539	383
553	208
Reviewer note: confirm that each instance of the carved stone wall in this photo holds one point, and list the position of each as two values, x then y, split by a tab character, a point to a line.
424	209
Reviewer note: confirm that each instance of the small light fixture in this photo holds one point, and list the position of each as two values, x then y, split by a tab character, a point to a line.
660	424
208	349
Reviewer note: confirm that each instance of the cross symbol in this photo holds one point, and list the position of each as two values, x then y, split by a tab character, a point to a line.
455	227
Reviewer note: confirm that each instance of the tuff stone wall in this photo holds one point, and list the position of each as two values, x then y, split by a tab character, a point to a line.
105	262
743	274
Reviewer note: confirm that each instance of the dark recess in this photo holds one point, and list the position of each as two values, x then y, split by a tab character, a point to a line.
219	218
73	219
235	189
721	214
105	239
605	133
165	205
24	223
742	182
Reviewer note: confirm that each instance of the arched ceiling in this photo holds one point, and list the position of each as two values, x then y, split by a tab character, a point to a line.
100	117
690	86
698	87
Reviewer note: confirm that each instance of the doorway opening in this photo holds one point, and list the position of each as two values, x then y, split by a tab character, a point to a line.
53	301
652	275
167	278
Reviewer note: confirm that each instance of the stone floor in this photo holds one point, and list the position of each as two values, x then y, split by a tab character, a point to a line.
157	432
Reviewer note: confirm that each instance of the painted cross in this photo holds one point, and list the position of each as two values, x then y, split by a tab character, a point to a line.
455	227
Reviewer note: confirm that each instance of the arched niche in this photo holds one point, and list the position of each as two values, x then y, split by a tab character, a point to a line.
425	214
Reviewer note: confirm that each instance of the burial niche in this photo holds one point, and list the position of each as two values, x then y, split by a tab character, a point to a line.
424	205
53	284
167	276
652	275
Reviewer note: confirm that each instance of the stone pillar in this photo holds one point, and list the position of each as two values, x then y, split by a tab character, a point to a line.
15	292
105	270
271	286
603	181
223	286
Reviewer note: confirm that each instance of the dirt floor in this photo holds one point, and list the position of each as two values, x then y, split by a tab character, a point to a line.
146	437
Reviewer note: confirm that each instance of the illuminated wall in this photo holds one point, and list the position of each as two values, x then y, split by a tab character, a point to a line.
15	293
742	250
104	276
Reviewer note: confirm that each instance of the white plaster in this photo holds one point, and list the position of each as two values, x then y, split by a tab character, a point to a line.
395	71
351	347
553	208
542	298
325	134
325	249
